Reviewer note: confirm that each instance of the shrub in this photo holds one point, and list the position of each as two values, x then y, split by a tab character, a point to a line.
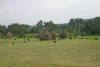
63	34
20	35
9	35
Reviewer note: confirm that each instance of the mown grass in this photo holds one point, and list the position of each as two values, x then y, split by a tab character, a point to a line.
64	53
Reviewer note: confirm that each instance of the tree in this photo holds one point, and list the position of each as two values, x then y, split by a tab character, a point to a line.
40	25
3	29
48	25
93	29
82	28
25	28
92	26
63	27
21	34
72	23
34	30
55	27
15	28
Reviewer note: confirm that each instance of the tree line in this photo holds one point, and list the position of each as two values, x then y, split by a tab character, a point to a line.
89	26
77	25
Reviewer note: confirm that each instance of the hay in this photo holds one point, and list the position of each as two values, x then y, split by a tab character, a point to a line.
53	34
9	35
39	34
46	35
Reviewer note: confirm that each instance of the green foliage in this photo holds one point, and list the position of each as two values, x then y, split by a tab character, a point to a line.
21	34
3	29
49	25
77	26
34	30
3	36
63	34
31	35
63	27
15	28
40	25
93	26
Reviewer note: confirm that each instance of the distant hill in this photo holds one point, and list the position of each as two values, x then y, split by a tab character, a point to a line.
85	20
66	24
57	24
6	26
32	26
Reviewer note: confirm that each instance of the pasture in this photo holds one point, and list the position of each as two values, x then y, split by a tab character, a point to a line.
65	53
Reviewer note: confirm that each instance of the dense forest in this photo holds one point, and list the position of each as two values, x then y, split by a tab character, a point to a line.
77	25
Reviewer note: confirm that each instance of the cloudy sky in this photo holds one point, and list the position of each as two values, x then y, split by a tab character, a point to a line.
59	11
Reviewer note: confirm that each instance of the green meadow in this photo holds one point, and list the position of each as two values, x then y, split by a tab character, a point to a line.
65	53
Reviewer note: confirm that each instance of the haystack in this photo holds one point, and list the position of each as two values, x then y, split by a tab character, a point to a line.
53	34
9	35
39	34
63	34
46	35
0	35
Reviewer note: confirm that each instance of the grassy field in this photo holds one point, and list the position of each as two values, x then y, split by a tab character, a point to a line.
69	35
89	37
65	53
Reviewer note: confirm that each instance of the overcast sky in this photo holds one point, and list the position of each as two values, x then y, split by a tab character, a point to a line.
59	11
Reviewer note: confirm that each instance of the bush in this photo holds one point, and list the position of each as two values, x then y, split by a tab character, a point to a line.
63	34
21	34
3	35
